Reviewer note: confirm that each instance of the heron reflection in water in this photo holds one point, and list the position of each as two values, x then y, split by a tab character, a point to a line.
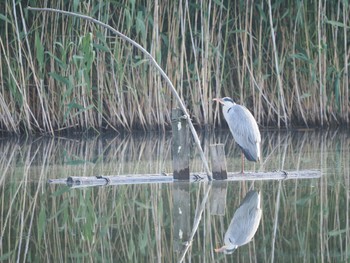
244	224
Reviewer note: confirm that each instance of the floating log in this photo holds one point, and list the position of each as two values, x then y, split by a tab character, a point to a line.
77	181
274	175
180	147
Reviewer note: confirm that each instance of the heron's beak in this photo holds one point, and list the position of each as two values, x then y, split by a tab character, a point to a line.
218	100
220	249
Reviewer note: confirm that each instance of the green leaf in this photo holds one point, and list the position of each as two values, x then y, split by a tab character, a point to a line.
140	62
75	5
140	25
142	205
2	17
336	232
39	52
128	18
336	23
41	222
101	47
60	78
61	191
301	56
6	256
74	105
304	200
261	12
305	95
220	4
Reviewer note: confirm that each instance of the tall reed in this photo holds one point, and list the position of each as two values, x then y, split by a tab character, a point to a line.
287	63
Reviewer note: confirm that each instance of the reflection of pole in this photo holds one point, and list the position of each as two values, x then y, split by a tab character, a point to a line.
276	220
181	213
197	219
180	147
218	198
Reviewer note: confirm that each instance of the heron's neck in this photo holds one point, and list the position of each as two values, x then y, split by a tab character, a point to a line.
226	107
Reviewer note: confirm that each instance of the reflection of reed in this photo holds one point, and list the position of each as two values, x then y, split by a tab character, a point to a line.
94	156
134	223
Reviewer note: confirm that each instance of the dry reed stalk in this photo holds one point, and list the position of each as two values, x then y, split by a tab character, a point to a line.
346	84
8	118
321	66
277	63
296	84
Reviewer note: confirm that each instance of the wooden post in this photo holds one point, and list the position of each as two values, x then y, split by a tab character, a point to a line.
218	162
180	146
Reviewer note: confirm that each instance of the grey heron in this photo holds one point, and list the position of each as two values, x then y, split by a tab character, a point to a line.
243	127
244	224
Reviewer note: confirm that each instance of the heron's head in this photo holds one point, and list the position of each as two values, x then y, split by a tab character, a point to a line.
225	101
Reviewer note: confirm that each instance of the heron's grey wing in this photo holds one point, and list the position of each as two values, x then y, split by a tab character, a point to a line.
245	130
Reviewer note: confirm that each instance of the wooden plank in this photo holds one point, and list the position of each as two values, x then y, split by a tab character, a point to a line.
180	146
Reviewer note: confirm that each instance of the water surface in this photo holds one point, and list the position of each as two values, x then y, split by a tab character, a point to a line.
305	220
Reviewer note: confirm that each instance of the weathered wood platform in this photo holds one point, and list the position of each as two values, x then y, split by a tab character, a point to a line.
77	181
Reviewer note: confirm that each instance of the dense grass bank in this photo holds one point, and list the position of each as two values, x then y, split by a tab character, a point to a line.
58	72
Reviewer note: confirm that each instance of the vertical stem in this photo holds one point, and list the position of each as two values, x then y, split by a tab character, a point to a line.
321	62
346	62
21	86
296	84
259	69
279	81
319	59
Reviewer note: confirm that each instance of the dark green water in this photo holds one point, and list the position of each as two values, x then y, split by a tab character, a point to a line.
303	220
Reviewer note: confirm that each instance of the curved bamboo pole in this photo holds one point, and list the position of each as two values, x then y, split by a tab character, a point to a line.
153	61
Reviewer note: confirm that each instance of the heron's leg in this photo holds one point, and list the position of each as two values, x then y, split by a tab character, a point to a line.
242	163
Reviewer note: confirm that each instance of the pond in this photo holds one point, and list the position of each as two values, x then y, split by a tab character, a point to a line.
301	220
